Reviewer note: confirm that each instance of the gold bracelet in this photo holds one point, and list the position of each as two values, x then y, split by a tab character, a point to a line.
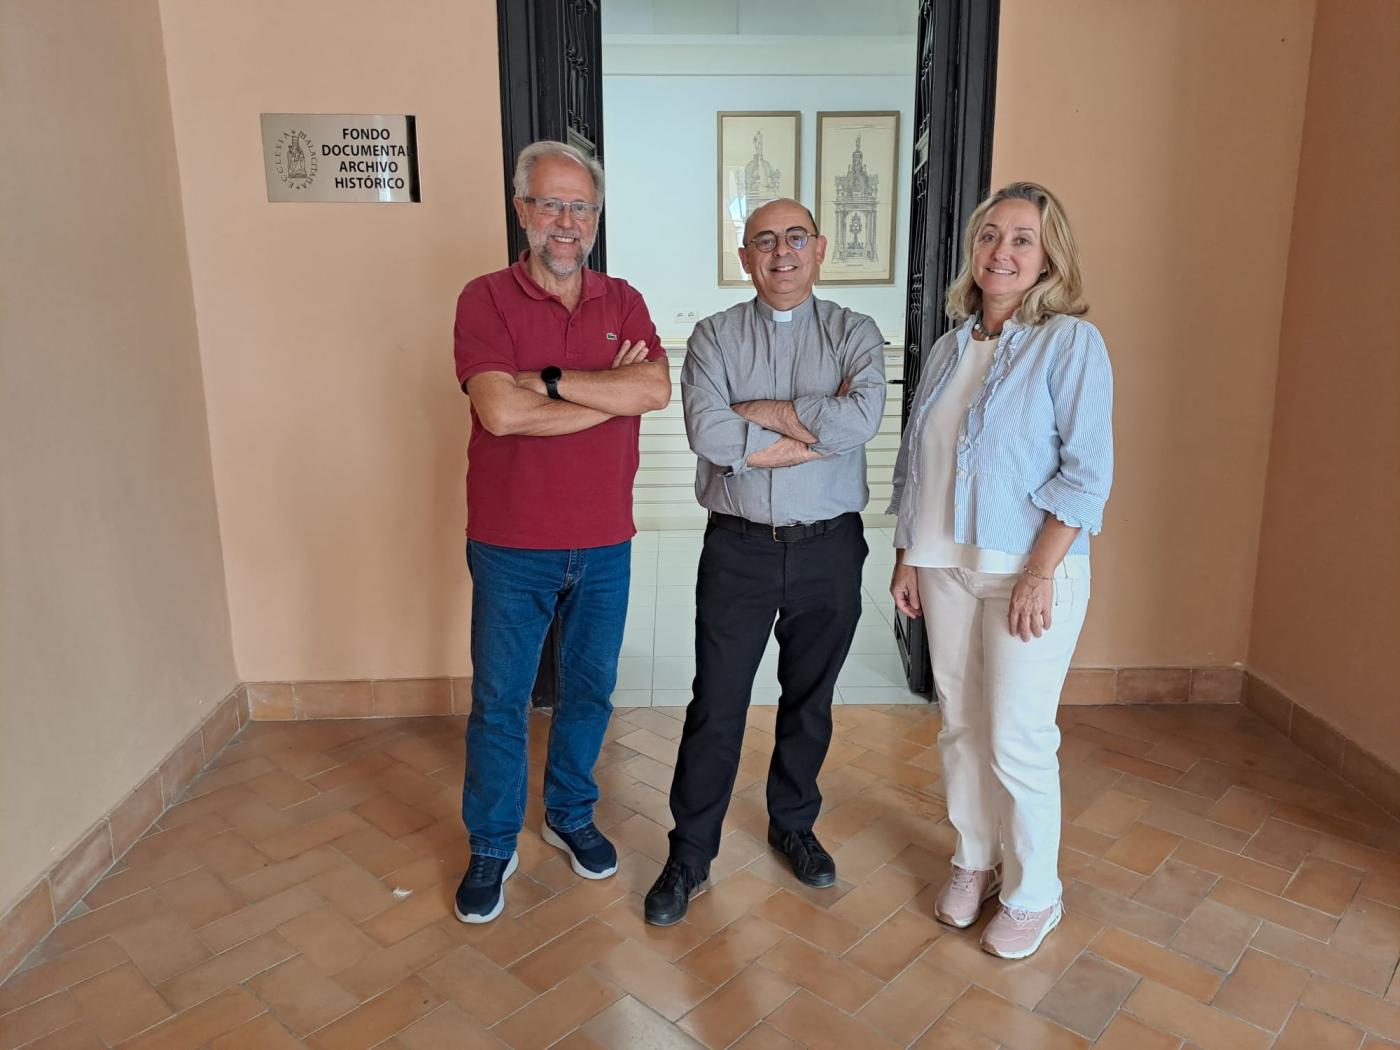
1039	576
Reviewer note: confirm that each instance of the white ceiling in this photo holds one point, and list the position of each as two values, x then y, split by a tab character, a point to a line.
771	18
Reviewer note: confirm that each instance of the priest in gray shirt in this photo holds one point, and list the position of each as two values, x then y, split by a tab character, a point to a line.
781	394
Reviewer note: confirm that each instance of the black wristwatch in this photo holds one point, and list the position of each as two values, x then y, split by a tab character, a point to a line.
550	376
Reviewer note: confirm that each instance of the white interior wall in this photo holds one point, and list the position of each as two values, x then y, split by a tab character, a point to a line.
660	97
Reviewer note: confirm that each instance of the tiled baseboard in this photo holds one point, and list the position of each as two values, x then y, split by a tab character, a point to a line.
41	906
379	698
408	697
1153	685
1348	759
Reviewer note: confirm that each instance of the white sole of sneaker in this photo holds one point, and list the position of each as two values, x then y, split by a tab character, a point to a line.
1027	952
500	901
552	837
948	920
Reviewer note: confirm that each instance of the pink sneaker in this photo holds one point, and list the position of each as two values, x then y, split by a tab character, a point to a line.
1015	933
960	900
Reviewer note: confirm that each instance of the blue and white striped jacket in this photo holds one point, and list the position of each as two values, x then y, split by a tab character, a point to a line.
1037	438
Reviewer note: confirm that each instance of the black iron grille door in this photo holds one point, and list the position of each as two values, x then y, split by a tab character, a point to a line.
955	93
551	88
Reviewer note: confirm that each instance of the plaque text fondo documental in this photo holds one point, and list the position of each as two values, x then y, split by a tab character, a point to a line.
340	157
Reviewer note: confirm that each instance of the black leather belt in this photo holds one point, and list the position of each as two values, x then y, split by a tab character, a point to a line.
779	533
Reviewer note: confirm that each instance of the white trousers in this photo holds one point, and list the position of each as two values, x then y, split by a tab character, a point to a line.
998	696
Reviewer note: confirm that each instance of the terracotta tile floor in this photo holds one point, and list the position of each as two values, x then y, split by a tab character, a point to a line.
1223	892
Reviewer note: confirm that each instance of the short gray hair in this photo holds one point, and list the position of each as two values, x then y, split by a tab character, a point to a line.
525	164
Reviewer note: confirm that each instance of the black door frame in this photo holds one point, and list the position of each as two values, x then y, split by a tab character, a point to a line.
551	88
954	107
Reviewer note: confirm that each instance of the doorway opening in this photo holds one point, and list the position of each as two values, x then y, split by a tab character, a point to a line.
660	75
710	110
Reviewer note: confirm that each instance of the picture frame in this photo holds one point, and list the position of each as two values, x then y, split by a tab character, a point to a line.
757	156
858	194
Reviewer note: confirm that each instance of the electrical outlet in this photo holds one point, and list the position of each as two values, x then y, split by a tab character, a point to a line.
686	316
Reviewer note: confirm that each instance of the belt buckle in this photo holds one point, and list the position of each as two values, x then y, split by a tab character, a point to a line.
774	527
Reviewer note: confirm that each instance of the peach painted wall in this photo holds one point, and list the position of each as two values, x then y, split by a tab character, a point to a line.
114	629
338	434
1326	628
1170	129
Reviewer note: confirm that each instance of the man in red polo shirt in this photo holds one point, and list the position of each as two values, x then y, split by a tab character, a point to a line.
560	362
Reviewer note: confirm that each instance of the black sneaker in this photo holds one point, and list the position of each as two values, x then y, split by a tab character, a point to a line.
481	896
670	894
811	863
590	854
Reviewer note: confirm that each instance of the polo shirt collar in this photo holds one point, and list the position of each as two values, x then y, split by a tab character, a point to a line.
592	282
802	310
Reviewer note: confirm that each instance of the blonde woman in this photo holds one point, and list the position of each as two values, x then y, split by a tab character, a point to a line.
1002	477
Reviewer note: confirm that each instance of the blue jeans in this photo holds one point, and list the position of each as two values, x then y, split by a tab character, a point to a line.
516	594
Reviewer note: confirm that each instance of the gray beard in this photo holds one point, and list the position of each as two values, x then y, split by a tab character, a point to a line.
539	246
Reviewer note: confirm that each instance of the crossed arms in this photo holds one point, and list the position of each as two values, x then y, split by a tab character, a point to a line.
780	417
745	435
519	404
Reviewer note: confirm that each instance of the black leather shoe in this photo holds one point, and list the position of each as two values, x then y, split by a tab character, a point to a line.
811	863
670	894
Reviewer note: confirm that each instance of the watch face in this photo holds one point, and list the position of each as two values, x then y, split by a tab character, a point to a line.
551	374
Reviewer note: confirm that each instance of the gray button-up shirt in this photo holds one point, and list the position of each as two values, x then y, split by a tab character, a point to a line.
751	352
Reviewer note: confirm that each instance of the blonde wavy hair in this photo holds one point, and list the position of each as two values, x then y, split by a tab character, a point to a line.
1060	291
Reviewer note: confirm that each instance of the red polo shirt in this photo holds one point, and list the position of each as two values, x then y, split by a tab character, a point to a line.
572	490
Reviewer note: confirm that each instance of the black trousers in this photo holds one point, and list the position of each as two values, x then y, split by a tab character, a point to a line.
812	588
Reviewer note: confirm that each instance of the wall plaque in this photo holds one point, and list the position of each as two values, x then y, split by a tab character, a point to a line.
340	157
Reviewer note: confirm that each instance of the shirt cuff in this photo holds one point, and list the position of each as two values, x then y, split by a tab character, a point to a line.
477	368
811	412
756	439
1073	506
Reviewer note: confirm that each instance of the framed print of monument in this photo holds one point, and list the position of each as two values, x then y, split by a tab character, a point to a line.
857	176
757	161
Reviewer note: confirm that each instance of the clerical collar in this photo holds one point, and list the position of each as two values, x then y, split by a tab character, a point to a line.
800	310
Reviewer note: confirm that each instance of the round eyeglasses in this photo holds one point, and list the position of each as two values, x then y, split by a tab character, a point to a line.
554	207
795	236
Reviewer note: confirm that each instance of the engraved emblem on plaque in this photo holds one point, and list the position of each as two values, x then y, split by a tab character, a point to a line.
294	159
